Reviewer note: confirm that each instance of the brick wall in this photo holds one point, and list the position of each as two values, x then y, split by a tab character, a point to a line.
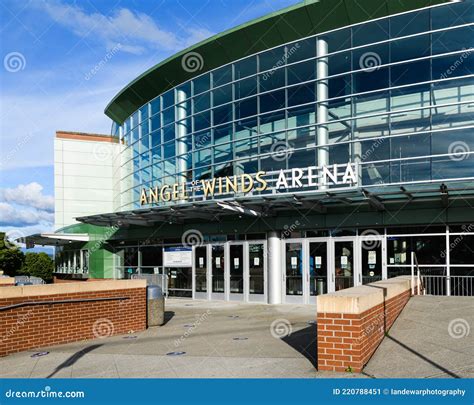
346	341
36	326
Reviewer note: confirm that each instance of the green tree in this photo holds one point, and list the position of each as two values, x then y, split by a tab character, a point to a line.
38	265
11	257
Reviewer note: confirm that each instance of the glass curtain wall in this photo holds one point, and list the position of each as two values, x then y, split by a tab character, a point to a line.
400	104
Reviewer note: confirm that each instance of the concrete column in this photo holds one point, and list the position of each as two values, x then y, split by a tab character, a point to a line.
322	96
275	270
181	132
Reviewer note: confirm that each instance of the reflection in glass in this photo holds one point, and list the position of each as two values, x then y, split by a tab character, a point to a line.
294	269
256	268
344	261
236	266
218	268
200	259
318	268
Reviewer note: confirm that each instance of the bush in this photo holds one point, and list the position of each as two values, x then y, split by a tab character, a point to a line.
38	265
11	257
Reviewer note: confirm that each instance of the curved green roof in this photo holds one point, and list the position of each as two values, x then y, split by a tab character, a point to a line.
292	23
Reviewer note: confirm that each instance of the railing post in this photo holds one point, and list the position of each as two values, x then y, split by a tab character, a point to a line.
448	263
412	273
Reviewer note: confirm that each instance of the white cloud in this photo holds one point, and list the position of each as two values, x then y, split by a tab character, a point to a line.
14	216
30	195
136	31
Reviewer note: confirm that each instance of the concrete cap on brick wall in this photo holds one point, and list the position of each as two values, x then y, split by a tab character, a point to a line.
7	280
357	300
69	288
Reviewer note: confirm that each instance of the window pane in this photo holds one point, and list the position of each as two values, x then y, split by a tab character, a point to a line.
303	94
370	32
453	40
245	88
411	146
245	67
338	40
222	75
202	102
304	49
272	58
410	23
408	73
246	108
410	48
272	79
272	101
222	95
301	72
201	84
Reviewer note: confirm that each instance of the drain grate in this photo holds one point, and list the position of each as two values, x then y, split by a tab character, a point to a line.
175	353
188	325
233	316
129	337
40	354
240	338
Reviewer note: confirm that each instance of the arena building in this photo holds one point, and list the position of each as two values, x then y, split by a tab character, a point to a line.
326	145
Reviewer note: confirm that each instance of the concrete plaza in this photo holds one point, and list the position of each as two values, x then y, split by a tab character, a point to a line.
233	340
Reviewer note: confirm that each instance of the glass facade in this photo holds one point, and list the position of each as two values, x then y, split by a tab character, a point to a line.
394	96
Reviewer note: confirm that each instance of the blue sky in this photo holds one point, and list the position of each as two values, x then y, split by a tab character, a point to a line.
49	48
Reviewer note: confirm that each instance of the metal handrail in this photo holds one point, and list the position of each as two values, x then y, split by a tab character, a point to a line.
414	263
34	303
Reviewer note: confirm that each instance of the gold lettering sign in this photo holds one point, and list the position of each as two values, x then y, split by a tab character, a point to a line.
243	183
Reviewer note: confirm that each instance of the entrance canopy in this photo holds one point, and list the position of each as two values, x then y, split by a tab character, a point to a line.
53	239
378	197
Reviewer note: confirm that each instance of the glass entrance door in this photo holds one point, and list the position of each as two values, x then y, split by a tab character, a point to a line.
200	272
236	272
318	269
218	290
257	272
294	272
372	259
344	263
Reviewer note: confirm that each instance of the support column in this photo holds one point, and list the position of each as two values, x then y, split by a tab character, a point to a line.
181	133
275	271
322	109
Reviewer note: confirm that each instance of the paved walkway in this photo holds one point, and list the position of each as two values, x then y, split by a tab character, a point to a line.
432	338
226	340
